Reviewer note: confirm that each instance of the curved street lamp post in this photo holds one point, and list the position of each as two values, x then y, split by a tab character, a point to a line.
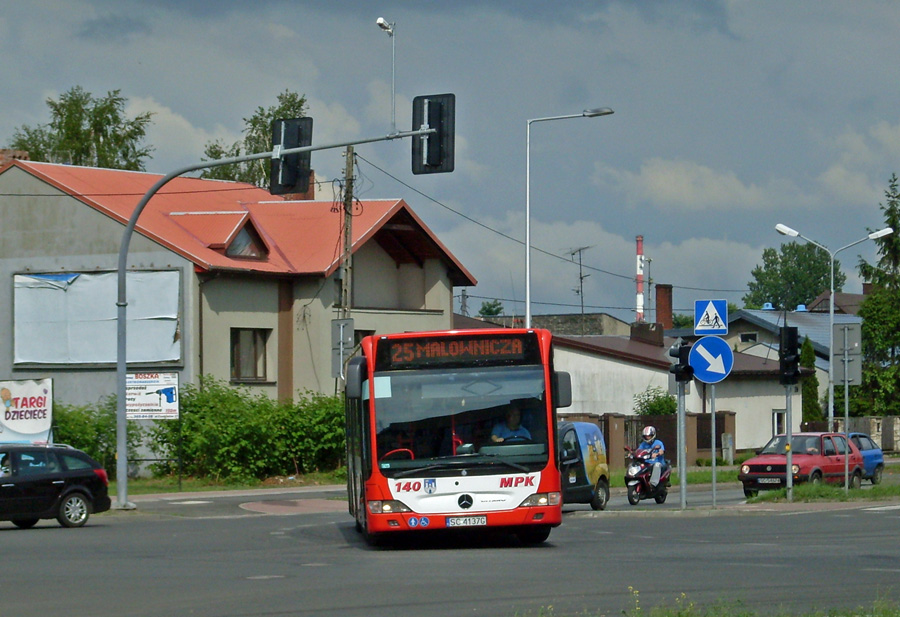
587	113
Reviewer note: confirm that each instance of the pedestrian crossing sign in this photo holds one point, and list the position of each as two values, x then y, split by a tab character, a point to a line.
710	317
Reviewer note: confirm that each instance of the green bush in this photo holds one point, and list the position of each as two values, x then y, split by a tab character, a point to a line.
654	401
92	428
229	433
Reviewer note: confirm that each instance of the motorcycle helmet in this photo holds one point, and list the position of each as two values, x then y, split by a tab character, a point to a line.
649	433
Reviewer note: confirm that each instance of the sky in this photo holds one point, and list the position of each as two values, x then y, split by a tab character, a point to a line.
730	116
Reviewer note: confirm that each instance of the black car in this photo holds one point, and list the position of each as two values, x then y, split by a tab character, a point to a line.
50	481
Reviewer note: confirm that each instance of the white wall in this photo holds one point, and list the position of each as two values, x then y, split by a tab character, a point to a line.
606	385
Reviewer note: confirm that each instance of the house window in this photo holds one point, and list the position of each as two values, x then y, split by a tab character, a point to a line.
247	244
748	337
248	354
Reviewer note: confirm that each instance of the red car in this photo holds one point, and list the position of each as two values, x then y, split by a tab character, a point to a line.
816	457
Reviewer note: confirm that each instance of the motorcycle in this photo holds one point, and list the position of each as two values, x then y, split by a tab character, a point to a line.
637	478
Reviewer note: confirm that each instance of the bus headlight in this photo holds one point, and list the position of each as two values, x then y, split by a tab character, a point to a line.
542	499
387	506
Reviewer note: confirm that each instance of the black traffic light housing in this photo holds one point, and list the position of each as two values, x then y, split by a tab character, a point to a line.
681	367
434	153
789	356
290	173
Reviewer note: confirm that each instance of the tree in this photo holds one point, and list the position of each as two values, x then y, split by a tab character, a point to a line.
880	312
809	384
680	320
257	138
795	276
491	308
87	131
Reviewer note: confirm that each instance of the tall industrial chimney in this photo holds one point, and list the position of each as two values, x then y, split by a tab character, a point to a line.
639	298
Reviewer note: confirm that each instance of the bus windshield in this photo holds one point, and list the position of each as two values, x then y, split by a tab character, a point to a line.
442	422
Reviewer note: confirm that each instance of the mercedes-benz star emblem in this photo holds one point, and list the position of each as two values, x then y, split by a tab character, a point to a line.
465	501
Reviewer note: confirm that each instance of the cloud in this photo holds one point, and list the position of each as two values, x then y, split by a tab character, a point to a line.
173	136
682	184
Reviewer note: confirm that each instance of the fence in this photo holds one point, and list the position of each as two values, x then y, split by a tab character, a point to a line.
620	431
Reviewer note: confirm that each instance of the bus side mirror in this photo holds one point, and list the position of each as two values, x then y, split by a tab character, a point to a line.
356	374
563	389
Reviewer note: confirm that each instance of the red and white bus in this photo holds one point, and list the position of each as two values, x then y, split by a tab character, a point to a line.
421	410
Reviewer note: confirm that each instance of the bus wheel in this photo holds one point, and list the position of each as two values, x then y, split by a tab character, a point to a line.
533	534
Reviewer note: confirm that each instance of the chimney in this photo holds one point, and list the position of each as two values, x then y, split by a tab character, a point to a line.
309	195
867	289
664	306
12	155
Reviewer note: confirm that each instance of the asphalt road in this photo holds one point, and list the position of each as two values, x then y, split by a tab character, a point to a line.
297	553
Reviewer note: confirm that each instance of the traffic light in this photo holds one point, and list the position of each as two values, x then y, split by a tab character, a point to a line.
290	173
434	153
681	367
789	356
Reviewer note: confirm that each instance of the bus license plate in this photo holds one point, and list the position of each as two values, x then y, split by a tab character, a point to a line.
466	521
769	480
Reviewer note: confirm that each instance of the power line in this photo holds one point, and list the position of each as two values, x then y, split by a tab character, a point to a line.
522	242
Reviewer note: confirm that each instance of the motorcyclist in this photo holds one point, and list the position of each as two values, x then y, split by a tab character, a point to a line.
653	451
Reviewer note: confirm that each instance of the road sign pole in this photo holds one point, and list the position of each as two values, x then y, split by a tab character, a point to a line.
712	439
682	447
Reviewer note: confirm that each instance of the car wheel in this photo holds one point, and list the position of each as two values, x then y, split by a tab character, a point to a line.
855	480
633	496
73	510
749	492
816	477
876	475
25	523
601	495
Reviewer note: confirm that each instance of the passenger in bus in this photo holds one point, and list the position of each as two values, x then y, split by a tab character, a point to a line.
511	428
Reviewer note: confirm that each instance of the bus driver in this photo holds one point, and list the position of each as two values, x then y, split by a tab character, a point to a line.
512	427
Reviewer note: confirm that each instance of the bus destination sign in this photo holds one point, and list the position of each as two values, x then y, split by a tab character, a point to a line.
493	350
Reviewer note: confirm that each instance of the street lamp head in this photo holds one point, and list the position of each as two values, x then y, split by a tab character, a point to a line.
384	25
881	233
784	230
600	111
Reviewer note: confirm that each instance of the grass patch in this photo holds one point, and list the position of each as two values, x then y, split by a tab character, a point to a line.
684	607
830	492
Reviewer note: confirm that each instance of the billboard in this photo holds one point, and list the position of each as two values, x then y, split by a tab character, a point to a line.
26	412
151	396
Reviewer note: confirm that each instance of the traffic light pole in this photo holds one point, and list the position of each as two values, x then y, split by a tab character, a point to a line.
682	446
121	301
789	459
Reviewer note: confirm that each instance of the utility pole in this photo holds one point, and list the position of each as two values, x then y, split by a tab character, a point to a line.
347	267
581	277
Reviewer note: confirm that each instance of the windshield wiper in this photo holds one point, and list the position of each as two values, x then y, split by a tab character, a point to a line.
500	459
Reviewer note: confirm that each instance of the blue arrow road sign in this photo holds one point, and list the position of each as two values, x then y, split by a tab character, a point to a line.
710	317
711	358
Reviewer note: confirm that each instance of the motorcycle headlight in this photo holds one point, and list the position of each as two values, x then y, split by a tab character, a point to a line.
633	469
